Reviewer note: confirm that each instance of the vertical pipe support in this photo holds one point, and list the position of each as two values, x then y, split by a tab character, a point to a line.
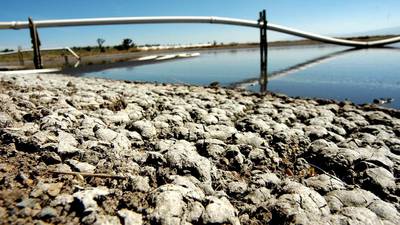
20	56
64	54
263	51
37	59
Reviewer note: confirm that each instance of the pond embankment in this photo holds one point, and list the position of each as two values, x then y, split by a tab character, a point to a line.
85	150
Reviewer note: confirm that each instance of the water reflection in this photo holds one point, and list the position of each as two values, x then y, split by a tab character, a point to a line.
263	82
360	76
263	78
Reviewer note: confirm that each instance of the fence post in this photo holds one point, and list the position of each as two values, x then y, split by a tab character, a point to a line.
263	51
66	60
37	59
20	56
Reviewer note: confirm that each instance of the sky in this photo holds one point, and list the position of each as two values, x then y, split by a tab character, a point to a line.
338	17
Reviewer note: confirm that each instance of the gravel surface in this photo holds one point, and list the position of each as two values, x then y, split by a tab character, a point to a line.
94	151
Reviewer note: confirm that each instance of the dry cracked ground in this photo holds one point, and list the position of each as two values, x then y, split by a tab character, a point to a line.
93	151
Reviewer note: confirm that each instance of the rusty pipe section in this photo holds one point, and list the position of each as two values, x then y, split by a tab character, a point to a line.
195	19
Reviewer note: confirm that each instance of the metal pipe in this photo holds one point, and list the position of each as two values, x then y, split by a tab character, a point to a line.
73	53
36	71
263	52
194	19
331	40
130	20
316	37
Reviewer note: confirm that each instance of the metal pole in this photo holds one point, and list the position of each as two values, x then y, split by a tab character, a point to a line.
66	61
20	56
37	59
263	52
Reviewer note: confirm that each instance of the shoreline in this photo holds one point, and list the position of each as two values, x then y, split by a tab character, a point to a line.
172	154
130	61
55	59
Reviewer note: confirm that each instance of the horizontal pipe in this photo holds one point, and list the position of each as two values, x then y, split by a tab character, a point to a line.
194	19
35	71
129	20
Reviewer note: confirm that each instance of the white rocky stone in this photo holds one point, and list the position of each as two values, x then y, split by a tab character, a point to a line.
87	197
220	211
130	217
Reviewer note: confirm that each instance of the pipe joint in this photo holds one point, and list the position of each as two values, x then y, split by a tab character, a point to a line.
14	25
212	19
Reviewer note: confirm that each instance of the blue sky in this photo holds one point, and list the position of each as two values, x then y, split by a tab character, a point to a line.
322	16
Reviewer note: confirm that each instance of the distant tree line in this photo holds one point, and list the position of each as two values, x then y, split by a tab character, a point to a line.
7	50
126	44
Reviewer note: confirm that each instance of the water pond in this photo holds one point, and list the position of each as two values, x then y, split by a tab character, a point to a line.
322	71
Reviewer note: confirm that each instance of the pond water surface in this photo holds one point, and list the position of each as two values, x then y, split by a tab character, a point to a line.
322	71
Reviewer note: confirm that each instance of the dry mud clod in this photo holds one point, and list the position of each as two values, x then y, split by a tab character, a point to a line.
139	153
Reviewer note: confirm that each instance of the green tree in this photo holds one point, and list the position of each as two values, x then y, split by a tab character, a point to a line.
126	43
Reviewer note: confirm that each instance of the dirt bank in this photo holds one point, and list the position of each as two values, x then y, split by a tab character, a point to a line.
94	151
